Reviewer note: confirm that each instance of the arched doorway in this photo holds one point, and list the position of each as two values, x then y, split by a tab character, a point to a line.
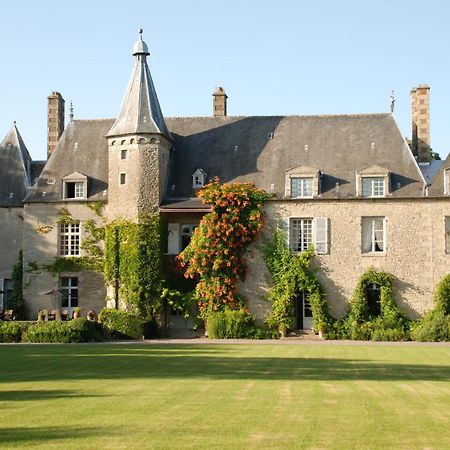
303	311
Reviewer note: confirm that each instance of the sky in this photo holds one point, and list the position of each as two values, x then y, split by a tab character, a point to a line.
272	58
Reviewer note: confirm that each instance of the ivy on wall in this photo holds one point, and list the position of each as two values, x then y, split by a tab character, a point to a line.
133	264
17	301
291	274
215	255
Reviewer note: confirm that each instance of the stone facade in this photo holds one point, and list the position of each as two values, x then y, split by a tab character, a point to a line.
42	247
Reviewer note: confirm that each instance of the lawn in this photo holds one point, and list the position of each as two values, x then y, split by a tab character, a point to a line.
225	396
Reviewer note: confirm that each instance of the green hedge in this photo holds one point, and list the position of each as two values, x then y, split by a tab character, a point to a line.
77	330
12	331
234	324
433	327
121	324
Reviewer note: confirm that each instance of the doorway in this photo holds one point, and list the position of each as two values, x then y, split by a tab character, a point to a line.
303	312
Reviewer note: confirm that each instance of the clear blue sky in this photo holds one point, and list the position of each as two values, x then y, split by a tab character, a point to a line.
272	57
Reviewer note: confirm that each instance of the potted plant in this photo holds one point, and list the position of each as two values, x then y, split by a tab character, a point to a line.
76	312
41	315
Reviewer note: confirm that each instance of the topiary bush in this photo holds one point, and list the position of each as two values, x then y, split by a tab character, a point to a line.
433	327
76	330
442	295
121	324
233	324
12	331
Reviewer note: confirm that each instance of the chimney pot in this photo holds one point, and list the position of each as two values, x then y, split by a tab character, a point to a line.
55	120
219	102
420	114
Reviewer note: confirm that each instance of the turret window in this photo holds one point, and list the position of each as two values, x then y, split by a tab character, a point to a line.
123	178
124	154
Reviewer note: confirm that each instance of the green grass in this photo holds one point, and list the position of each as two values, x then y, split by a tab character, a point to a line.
225	396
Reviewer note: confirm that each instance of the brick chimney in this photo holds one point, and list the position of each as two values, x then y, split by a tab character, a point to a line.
219	102
420	108
55	120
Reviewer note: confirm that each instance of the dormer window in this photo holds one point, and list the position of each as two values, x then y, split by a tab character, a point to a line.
198	179
373	186
302	182
372	182
302	187
75	186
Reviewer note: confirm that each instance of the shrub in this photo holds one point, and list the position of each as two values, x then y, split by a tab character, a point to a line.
76	330
442	295
234	324
12	331
433	327
121	324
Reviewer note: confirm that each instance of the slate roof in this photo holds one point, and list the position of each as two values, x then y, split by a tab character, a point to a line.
437	186
258	149
261	149
15	169
81	148
140	111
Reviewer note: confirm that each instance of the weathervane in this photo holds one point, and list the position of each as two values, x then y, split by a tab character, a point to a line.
71	111
392	101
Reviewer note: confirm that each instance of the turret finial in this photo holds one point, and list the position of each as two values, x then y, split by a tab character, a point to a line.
71	111
140	48
392	101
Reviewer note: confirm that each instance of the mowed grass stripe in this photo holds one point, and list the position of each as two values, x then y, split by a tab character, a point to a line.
224	396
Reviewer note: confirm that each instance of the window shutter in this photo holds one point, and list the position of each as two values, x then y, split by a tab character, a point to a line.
321	235
283	225
173	238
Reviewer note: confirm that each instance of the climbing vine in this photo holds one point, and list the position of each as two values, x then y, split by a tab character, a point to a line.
291	274
216	253
17	301
133	264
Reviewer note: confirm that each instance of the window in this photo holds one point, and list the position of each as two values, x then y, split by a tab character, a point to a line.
123	178
373	186
70	234
8	287
74	189
124	154
198	179
186	235
373	234
69	292
302	187
301	234
447	234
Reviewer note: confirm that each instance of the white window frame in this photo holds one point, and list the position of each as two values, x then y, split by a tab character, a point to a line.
305	188
375	183
447	234
318	234
71	289
70	239
198	179
373	240
79	190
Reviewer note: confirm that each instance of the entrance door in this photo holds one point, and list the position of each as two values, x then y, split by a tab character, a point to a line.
304	317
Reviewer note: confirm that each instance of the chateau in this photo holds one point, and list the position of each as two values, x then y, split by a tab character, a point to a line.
348	184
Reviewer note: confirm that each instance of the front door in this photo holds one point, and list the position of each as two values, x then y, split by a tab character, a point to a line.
303	312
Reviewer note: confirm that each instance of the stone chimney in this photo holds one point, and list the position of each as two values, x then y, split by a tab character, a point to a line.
55	120
219	103
420	108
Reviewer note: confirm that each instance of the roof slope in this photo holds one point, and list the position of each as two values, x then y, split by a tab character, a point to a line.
436	188
81	148
242	149
15	169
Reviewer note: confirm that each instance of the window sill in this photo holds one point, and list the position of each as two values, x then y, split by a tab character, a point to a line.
376	254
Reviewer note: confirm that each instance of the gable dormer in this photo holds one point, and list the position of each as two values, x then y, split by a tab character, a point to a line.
302	182
74	186
372	182
198	179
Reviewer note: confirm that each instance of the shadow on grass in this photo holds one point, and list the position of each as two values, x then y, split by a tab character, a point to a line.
37	394
42	434
66	362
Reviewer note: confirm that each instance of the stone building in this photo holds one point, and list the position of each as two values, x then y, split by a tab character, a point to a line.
348	184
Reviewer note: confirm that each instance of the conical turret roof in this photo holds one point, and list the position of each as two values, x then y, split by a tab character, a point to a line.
140	111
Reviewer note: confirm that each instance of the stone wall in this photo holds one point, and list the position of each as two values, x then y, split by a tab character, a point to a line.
415	250
42	248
